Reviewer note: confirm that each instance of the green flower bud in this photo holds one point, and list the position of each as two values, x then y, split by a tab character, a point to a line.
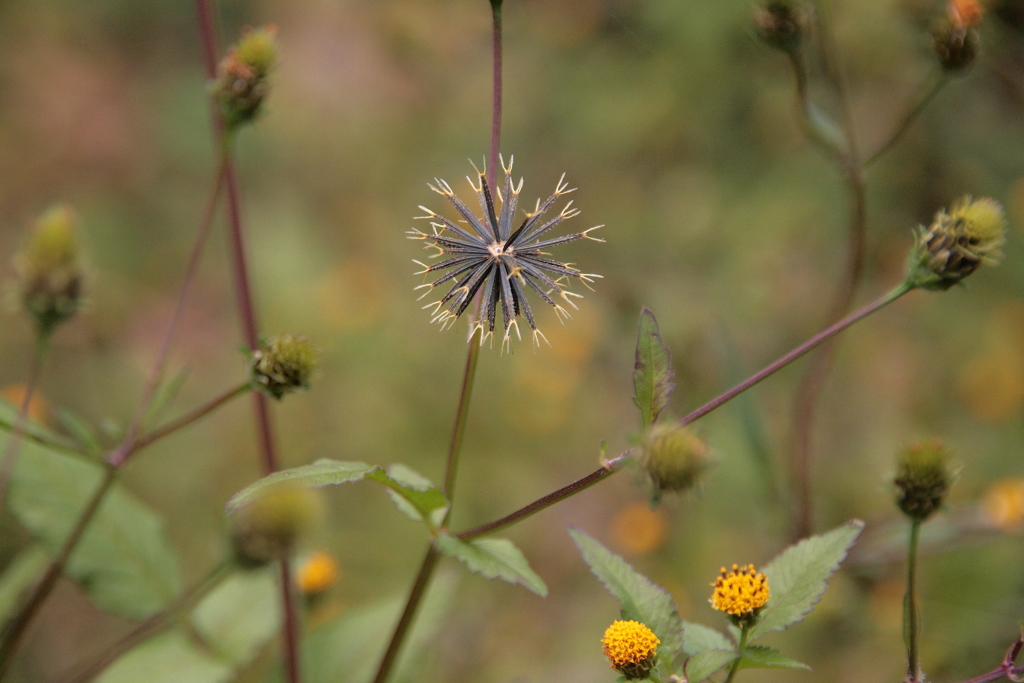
673	457
283	364
243	76
49	276
923	479
268	528
957	243
781	24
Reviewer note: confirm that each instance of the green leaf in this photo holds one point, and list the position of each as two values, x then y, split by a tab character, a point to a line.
703	664
641	599
413	493
165	395
323	472
21	574
652	372
698	638
80	430
240	615
762	657
167	658
493	558
799	575
124	560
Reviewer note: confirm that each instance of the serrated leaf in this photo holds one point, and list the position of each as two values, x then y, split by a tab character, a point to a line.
493	558
323	472
703	664
698	638
240	615
652	371
21	574
799	575
167	658
413	493
762	657
641	599
124	560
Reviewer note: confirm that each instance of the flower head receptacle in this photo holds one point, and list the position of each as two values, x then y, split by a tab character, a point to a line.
923	479
268	528
243	76
957	243
282	364
630	647
674	458
487	254
49	275
782	24
740	593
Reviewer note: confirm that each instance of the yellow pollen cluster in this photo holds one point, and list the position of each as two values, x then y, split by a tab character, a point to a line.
740	592
317	574
629	642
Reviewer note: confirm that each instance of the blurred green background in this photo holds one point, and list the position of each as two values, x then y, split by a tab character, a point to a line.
678	128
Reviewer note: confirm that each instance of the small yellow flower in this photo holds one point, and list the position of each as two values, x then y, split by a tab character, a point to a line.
630	647
1003	504
741	593
957	243
317	574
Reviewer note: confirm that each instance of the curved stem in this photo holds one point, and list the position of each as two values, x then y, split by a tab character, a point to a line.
10	453
461	413
419	587
928	90
191	416
911	618
744	631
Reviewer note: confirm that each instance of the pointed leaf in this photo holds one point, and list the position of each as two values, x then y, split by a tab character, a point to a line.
124	560
20	575
80	430
761	657
798	577
413	493
641	599
493	558
240	615
167	658
703	664
652	372
323	472
698	638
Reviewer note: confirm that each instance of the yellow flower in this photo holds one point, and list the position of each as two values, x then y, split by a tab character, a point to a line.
1003	504
957	243
317	574
630	647
741	593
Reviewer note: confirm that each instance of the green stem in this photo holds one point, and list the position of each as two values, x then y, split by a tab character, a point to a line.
191	416
744	632
928	90
10	456
459	429
911	618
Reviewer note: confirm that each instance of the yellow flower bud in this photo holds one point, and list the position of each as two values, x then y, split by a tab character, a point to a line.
630	647
957	243
243	76
740	593
49	277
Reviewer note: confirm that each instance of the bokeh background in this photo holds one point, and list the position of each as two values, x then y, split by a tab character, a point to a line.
678	128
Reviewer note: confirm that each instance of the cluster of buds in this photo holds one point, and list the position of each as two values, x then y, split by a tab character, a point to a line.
267	529
957	243
955	38
923	479
782	24
49	276
282	365
674	458
243	76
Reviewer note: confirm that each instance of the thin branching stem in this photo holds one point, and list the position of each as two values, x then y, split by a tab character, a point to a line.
10	455
911	617
925	93
155	624
191	416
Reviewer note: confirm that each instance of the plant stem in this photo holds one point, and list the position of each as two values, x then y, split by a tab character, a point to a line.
744	631
911	618
928	90
459	429
151	626
419	587
191	416
247	313
1007	668
492	166
51	441
10	456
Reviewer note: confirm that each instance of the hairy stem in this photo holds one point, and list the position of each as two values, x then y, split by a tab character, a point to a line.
911	617
10	456
150	627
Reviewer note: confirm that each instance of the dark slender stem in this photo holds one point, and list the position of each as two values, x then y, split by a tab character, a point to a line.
190	417
1007	668
928	90
16	629
492	166
10	456
250	330
419	587
150	627
804	109
911	618
461	413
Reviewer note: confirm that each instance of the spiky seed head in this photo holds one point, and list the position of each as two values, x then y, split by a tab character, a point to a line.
674	457
782	24
923	479
243	76
49	275
957	243
268	528
630	647
283	364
